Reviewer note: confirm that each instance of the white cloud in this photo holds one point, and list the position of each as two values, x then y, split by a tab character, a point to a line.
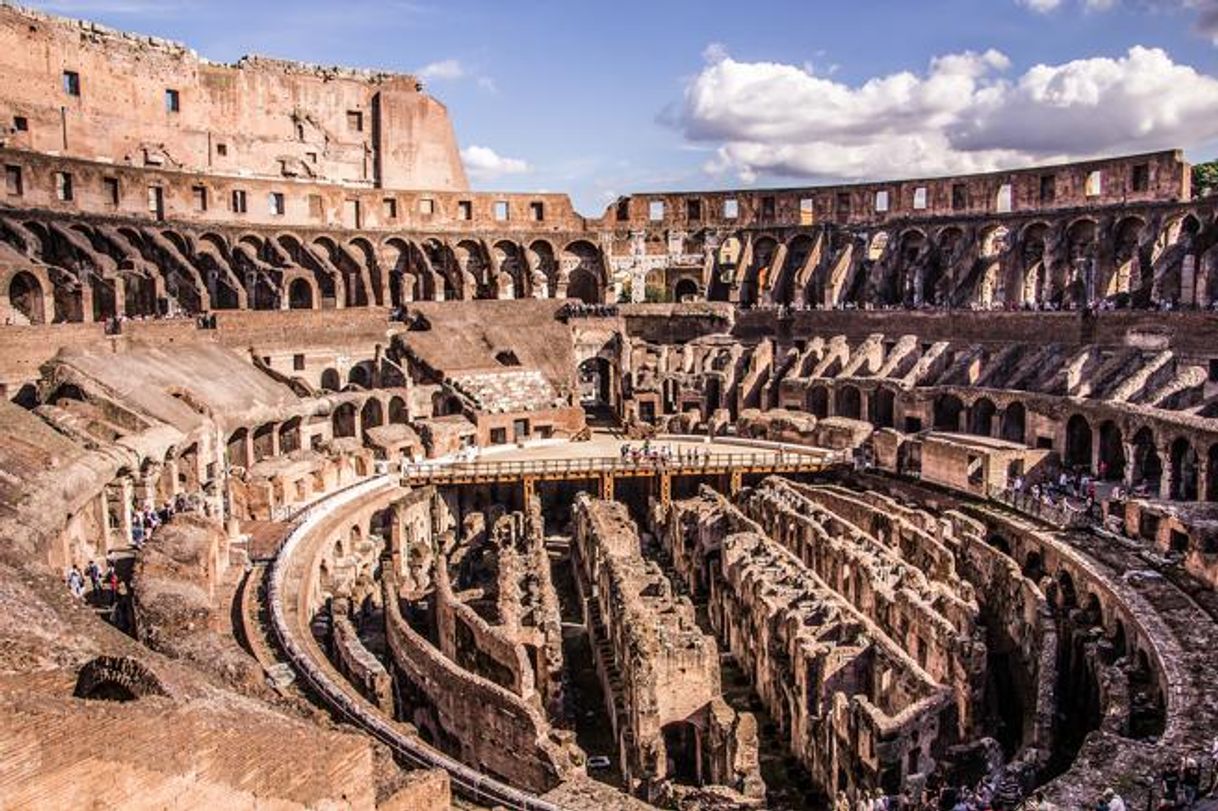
483	163
1206	11
961	115
1041	6
444	70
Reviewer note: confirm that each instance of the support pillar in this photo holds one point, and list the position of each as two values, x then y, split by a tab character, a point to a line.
735	482
1166	481
529	485
607	486
665	488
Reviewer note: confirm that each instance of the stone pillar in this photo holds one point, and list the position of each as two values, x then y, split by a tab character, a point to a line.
1166	481
120	296
865	406
249	447
665	488
996	423
1095	450
1129	450
275	439
1203	476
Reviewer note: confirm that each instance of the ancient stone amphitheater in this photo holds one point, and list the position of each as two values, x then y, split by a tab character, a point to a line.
418	497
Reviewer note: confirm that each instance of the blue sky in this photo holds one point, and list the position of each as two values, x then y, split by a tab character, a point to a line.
598	99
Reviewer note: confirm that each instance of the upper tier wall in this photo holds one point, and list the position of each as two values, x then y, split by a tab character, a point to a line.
1156	177
86	91
203	196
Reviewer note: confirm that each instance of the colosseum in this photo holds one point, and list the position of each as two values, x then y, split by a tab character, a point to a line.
329	483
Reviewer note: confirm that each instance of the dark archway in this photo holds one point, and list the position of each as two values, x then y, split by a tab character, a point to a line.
1184	471
849	403
582	285
372	414
948	408
1013	422
884	406
25	295
1147	466
300	295
818	402
344	421
330	381
981	417
1112	452
398	413
686	290
1211	485
1078	442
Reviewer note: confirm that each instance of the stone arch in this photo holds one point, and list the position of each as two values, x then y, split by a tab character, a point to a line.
584	271
361	374
1014	420
330	380
343	421
474	264
1078	443
513	269
685	290
1147	466
759	273
372	414
237	448
1184	471
289	436
27	298
398	413
264	441
1112	452
1124	274
947	411
912	265
818	402
117	678
849	402
1032	280
883	408
547	264
981	416
301	294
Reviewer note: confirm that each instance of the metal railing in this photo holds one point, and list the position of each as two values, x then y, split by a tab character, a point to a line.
676	464
1058	512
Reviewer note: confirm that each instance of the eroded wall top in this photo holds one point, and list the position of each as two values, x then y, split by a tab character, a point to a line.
82	90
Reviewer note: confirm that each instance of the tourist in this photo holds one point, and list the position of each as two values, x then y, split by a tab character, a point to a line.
1190	781
1169	788
76	582
94	575
1113	801
112	582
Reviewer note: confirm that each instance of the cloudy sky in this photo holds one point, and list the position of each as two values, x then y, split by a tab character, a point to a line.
600	99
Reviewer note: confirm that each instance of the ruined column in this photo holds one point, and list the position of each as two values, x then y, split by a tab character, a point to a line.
1165	481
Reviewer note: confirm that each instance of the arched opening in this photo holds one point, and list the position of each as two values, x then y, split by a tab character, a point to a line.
343	421
1112	453
981	417
582	285
1147	466
1013	423
583	261
884	403
818	402
116	678
264	442
398	413
237	448
1078	443
300	295
1183	471
360	375
948	408
330	381
372	414
849	403
1034	566
289	436
686	290
25	296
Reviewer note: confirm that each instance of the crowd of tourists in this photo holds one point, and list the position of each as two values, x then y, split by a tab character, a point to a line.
661	455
